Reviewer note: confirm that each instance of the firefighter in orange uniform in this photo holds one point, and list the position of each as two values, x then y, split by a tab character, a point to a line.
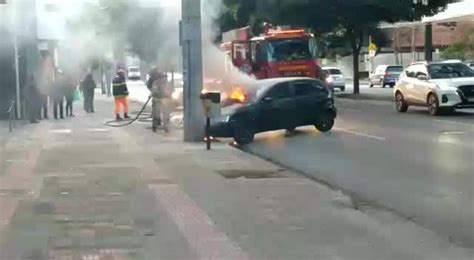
120	92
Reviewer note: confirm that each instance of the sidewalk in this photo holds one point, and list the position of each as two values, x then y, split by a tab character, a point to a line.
76	189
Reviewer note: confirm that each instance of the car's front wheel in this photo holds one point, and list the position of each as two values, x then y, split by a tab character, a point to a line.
243	134
433	105
400	103
325	123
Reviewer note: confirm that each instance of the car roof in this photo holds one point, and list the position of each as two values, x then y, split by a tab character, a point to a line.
274	81
331	68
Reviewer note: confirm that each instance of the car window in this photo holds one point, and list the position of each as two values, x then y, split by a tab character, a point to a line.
280	91
309	87
303	88
334	72
453	70
410	71
395	69
420	70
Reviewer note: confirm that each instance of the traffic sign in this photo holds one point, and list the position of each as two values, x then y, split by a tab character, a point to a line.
372	47
372	53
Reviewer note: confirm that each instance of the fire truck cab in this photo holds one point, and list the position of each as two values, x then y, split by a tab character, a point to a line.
276	53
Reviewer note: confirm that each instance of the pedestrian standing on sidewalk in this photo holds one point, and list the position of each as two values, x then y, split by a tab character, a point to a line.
70	90
88	87
120	92
33	99
57	94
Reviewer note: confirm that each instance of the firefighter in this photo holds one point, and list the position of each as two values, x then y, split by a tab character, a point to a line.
120	92
161	106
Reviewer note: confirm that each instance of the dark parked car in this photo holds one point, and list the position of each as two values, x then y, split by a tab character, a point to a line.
385	75
274	104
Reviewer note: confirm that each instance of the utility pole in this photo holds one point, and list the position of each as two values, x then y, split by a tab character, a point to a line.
191	42
429	42
17	78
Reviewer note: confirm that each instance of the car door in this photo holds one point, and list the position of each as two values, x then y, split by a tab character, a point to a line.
421	88
408	84
277	108
309	94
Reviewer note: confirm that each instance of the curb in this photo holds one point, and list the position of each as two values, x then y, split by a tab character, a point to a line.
366	97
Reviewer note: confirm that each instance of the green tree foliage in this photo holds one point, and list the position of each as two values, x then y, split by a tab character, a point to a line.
461	50
349	20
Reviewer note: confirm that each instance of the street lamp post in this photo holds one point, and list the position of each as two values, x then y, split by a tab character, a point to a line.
191	42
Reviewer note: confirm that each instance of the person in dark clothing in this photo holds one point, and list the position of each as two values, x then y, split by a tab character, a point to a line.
32	99
70	91
88	87
120	92
154	75
57	94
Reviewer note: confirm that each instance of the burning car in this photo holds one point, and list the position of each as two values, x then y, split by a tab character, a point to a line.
274	104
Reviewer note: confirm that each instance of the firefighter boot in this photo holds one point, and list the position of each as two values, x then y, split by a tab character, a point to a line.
125	115
118	118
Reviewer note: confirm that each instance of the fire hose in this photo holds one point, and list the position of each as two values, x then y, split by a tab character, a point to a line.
115	123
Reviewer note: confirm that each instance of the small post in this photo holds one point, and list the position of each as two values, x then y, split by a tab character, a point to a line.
211	104
208	133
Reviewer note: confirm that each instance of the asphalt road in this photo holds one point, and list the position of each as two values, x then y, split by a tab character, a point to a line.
419	166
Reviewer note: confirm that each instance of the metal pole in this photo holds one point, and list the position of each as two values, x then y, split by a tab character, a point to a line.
191	41
413	43
428	42
17	78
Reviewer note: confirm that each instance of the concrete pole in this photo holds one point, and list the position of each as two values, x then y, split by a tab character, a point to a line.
413	43
191	42
17	78
428	42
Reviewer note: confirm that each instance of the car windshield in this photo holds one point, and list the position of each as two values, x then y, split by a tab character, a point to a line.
133	70
291	49
446	71
395	69
334	71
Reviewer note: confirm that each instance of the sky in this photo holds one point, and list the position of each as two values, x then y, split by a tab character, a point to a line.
457	9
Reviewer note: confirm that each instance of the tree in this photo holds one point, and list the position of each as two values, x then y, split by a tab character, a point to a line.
352	19
461	50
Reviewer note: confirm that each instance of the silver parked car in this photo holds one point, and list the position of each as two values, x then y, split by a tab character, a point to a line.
385	75
335	78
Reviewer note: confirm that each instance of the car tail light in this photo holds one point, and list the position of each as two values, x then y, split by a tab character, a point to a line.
386	74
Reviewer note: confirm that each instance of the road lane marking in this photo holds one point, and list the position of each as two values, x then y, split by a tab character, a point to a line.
379	138
454	122
61	131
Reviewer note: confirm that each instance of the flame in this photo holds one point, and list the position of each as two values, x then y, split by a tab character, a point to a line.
238	94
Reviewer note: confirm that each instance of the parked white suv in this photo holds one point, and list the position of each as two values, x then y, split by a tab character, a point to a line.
440	86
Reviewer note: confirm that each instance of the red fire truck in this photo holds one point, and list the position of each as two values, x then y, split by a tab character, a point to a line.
282	52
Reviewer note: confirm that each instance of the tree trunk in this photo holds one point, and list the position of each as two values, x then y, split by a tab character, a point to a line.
356	38
355	66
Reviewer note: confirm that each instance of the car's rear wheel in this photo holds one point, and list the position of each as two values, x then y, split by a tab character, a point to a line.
243	134
343	89
325	123
433	105
400	103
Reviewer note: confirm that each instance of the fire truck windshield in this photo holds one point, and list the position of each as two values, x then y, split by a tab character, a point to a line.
291	49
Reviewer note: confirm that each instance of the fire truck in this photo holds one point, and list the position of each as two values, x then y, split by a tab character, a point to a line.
280	52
